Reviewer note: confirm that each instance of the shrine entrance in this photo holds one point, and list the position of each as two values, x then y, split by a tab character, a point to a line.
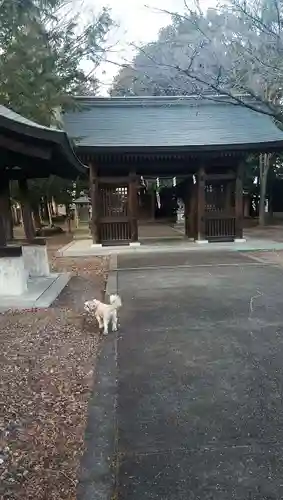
205	206
215	207
220	220
206	141
113	213
114	201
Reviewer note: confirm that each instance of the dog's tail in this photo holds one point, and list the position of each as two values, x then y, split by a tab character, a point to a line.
115	301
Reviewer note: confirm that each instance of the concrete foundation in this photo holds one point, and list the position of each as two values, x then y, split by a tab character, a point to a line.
96	245
13	276
36	259
40	293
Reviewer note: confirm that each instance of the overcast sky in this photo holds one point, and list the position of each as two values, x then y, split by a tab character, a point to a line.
139	22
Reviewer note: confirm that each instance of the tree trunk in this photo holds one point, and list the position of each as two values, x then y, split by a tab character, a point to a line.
49	208
36	215
56	208
261	215
26	209
264	163
45	209
10	225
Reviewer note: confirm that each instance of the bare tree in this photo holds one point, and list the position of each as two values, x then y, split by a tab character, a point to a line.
236	50
264	167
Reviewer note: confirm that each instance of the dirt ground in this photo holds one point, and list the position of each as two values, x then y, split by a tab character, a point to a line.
47	373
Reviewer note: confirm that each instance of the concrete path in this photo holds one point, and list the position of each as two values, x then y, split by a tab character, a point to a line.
200	370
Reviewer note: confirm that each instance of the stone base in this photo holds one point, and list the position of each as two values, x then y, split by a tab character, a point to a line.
40	293
13	276
135	244
240	240
96	245
201	242
36	260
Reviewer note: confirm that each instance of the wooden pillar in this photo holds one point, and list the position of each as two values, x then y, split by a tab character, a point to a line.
6	213
153	201
239	201
189	208
10	224
186	198
201	204
3	233
26	210
228	197
193	212
246	205
94	194
133	206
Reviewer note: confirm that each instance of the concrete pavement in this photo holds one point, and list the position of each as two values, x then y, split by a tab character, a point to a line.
199	401
188	404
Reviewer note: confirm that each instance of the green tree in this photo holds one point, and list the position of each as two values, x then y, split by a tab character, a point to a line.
42	48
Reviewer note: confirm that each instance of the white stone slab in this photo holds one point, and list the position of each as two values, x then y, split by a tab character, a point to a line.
36	260
13	276
40	293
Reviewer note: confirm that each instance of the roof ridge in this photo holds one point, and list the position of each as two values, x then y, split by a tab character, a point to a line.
156	97
215	99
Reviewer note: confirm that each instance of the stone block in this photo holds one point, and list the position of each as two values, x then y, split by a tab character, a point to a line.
36	258
13	276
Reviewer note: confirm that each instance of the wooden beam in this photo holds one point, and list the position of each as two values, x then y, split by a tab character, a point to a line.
221	177
114	180
94	195
24	148
239	201
201	204
26	210
133	206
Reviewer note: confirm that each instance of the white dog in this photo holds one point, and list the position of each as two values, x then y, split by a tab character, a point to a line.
104	313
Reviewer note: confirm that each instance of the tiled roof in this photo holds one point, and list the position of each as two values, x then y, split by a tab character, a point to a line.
167	122
63	161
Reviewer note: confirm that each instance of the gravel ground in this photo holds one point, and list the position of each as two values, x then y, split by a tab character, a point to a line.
47	372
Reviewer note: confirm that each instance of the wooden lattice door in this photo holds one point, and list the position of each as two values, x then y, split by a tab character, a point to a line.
114	220
220	220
